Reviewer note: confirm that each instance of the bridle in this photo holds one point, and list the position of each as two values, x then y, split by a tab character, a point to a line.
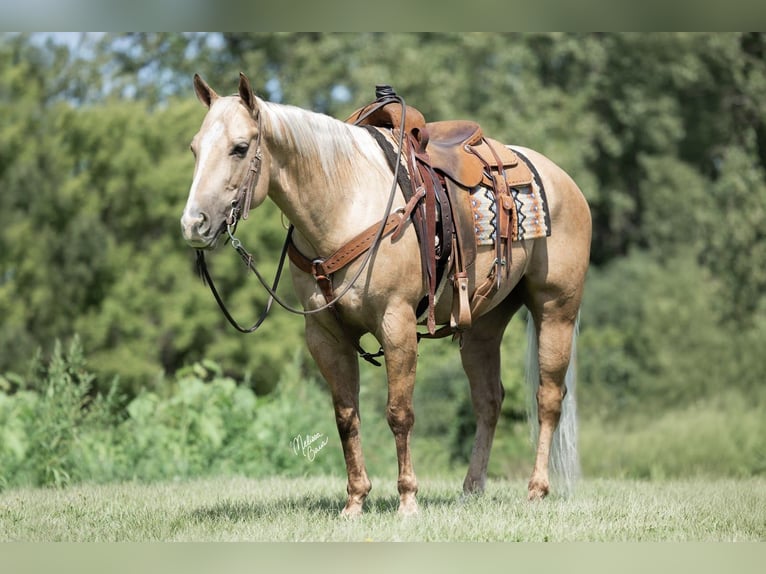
240	208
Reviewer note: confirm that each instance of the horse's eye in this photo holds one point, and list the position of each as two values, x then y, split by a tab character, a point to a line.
191	148
240	150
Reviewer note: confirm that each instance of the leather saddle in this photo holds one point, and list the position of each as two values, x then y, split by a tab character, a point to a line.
457	148
456	153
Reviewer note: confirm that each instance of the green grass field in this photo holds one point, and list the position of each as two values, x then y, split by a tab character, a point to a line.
240	509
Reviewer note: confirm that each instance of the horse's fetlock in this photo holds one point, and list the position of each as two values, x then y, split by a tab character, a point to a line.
407	485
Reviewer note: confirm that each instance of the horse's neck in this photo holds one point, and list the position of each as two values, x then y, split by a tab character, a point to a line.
330	179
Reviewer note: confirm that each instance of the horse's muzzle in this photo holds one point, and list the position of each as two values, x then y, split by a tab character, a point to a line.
198	231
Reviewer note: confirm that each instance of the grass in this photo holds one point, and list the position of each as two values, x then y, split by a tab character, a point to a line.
306	509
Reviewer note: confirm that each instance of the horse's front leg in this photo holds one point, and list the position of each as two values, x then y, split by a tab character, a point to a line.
339	365
399	340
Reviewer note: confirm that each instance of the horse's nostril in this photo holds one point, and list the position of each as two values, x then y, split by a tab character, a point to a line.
203	223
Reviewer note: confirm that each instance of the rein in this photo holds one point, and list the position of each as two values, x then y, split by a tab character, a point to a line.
319	268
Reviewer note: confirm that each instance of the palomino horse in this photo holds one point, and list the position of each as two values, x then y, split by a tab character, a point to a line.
332	180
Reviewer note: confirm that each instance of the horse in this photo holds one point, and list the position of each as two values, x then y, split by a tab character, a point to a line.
332	181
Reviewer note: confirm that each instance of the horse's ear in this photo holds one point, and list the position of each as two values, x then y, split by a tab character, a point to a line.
205	93
246	92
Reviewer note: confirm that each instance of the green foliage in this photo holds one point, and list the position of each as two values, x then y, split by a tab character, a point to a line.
95	248
44	421
654	338
209	425
735	241
725	436
650	336
55	431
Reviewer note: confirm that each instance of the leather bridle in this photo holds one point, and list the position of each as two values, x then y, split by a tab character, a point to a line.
240	207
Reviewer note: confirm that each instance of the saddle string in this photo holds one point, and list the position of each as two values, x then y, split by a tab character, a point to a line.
501	194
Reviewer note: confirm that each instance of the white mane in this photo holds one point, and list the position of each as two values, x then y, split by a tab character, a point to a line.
321	142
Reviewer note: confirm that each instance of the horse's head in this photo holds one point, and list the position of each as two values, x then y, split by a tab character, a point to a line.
228	164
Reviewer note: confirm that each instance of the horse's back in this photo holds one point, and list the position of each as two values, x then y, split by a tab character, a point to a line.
562	193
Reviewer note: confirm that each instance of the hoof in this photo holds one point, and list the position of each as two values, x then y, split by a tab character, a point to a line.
472	487
408	507
537	490
352	510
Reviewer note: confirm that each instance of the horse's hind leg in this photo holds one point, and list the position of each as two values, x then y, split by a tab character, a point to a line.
555	319
339	365
480	353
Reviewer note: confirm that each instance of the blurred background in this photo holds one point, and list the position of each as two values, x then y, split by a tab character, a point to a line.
116	364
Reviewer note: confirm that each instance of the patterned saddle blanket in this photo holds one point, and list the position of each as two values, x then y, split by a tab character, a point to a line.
533	219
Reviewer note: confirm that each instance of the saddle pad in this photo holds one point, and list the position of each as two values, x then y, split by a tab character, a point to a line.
531	213
484	215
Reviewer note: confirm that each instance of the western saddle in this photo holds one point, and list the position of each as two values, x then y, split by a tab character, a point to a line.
449	160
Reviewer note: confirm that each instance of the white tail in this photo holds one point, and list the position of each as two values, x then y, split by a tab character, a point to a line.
564	460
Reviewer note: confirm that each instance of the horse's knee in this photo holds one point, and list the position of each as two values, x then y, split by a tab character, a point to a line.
347	421
400	418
